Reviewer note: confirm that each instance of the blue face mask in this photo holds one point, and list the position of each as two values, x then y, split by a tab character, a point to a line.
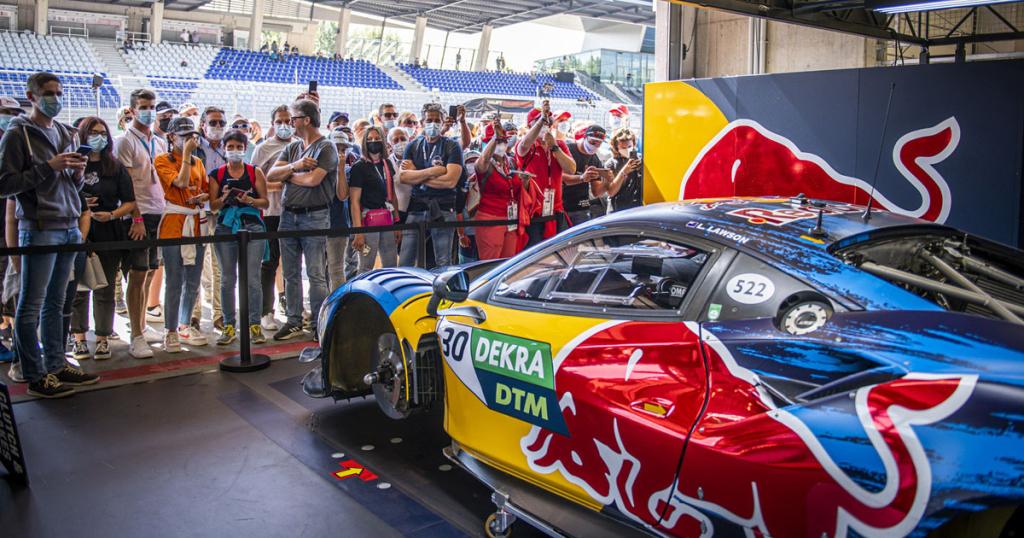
50	105
98	143
432	130
389	124
146	117
5	121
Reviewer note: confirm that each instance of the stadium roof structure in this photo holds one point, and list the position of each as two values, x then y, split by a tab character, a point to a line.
469	16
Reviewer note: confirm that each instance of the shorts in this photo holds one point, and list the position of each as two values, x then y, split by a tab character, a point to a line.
147	258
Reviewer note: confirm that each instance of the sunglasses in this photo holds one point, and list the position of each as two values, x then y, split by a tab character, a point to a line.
216	123
240	126
390	115
292	120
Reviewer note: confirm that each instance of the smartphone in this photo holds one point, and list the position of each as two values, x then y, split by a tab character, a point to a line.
453	110
312	87
84	150
634	155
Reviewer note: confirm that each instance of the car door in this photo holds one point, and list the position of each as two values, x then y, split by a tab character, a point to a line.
575	370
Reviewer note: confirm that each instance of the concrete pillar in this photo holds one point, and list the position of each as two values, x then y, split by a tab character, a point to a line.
341	40
757	47
42	6
668	41
417	39
483	50
256	25
156	21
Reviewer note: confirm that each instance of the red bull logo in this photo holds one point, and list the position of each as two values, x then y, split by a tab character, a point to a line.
747	461
746	159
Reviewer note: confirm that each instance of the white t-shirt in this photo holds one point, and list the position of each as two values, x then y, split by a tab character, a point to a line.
136	152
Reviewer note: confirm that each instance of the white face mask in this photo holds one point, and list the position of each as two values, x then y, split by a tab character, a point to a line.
235	156
564	127
500	149
214	133
626	150
283	131
398	148
471	168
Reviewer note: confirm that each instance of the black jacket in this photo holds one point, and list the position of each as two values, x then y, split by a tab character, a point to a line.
47	199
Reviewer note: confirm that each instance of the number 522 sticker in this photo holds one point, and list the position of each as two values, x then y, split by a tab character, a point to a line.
750	288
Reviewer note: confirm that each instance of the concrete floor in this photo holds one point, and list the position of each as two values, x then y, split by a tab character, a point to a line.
247	454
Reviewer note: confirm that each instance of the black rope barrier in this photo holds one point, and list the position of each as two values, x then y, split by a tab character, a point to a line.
246	361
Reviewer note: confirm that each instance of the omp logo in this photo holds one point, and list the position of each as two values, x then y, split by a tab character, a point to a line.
511	375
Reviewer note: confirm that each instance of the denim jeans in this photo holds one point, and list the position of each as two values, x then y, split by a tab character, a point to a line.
337	247
441	237
181	284
44	285
314	251
268	268
227	255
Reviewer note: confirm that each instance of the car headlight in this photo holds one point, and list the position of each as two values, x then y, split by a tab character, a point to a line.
321	321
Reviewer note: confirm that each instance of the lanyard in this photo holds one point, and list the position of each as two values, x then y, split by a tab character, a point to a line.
385	180
433	151
150	144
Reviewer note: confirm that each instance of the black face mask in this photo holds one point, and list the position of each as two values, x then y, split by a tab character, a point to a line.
165	124
375	148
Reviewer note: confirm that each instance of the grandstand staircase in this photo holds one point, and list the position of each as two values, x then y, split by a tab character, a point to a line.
113	63
622	95
403	78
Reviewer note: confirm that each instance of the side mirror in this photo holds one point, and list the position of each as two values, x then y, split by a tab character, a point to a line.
449	286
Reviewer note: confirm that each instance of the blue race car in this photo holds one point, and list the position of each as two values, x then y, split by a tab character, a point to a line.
772	366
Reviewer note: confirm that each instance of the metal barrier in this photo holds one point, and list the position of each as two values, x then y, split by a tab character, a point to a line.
246	361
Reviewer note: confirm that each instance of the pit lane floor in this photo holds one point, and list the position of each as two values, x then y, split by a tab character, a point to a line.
246	454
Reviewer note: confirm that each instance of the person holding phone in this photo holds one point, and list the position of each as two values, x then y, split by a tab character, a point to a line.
186	190
624	189
539	153
589	180
372	202
238	192
501	195
110	196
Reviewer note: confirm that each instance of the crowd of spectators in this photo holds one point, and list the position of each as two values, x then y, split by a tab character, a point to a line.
171	172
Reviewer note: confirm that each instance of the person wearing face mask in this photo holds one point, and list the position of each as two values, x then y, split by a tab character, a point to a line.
399	138
190	111
39	166
124	118
213	124
136	150
581	187
186	190
308	167
563	125
342	261
238	191
539	153
433	165
386	117
503	195
9	109
164	113
109	193
408	122
624	189
244	125
372	202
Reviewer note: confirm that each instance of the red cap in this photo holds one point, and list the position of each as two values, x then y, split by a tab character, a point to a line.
619	111
563	115
532	116
488	133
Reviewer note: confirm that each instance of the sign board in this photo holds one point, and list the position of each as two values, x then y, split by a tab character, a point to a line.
11	454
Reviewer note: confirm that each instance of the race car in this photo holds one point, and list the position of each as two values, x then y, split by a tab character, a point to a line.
750	366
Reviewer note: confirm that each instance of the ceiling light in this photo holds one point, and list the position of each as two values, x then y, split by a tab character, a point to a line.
897	6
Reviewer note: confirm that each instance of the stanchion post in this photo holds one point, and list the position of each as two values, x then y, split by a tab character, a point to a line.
245	361
421	244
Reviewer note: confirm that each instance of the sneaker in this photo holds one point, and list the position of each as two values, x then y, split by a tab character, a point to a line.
171	343
49	387
154	313
192	336
102	350
69	375
288	332
256	335
6	355
307	321
218	323
114	336
7	333
152	335
120	307
227	336
15	373
194	323
80	350
139	349
269	323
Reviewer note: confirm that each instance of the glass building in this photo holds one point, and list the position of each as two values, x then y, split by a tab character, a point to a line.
627	69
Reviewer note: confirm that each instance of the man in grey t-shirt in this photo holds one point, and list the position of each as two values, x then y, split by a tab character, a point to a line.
308	168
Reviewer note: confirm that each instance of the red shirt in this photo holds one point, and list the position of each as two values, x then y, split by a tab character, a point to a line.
498	191
545	166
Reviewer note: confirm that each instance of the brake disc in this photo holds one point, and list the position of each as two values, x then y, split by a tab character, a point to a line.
389	389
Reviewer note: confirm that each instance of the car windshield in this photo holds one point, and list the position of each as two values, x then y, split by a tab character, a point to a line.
617	271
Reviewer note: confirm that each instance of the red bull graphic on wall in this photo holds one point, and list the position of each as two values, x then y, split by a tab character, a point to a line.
952	149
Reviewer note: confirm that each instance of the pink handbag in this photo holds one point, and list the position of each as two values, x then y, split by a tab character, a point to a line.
378	217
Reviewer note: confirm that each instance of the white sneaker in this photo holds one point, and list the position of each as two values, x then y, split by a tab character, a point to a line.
139	349
191	336
171	343
15	373
152	335
155	314
269	323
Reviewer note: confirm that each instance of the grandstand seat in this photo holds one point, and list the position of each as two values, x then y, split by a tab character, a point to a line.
70	58
490	83
231	64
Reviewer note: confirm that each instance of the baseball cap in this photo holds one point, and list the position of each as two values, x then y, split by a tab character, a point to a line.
338	115
532	116
164	106
339	136
182	126
592	131
470	154
7	102
186	107
489	133
563	115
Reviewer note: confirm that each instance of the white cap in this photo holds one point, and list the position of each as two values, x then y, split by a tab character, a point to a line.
339	137
9	102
